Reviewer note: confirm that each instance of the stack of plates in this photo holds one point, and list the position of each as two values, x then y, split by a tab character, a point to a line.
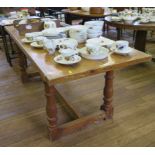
116	18
94	28
129	19
78	32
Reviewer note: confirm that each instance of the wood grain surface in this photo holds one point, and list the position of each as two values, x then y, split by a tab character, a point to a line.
22	114
52	72
84	13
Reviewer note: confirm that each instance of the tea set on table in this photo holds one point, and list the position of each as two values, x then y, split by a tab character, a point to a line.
96	48
129	16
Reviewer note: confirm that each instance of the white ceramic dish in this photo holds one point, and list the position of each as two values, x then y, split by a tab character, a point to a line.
7	22
46	19
129	19
61	60
50	32
33	35
94	23
144	21
79	33
68	42
23	21
34	44
68	52
152	19
95	28
62	29
115	18
25	40
94	35
102	41
85	9
102	54
49	24
121	44
123	52
49	46
94	31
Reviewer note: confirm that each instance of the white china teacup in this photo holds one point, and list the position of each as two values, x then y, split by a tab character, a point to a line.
79	33
49	24
50	32
40	40
121	45
13	14
68	43
93	48
30	36
50	46
68	53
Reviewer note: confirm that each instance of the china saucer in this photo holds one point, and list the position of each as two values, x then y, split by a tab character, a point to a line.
61	60
124	52
25	40
102	54
34	44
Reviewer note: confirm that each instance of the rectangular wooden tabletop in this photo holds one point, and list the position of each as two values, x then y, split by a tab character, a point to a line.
52	72
84	13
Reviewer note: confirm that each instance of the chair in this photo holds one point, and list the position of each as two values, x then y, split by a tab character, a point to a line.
8	46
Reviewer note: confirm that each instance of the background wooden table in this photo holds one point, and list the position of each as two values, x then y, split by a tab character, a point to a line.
141	31
79	14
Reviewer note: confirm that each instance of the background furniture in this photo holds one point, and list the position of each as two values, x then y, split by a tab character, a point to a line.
55	12
141	31
8	45
79	14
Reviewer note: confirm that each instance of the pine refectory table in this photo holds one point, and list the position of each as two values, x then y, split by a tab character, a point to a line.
52	73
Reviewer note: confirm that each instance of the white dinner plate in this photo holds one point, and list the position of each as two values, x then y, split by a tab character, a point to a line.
34	44
102	54
24	40
124	52
61	60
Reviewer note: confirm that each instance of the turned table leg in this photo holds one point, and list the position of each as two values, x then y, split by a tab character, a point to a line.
68	18
51	110
23	66
108	94
140	41
118	33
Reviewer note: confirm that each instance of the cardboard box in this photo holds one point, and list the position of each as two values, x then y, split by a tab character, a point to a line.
33	25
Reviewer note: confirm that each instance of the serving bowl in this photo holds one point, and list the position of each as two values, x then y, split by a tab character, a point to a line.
129	19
